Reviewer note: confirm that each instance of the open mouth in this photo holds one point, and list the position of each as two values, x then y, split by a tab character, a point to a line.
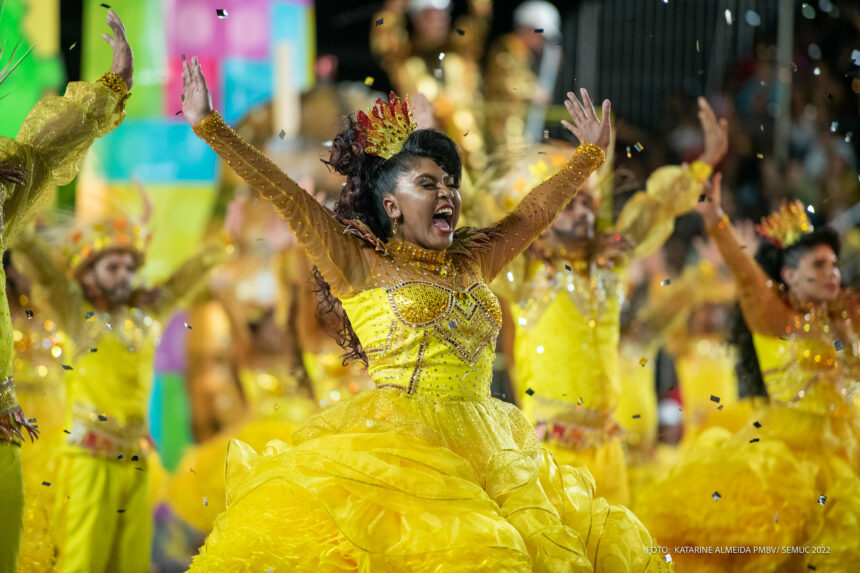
443	220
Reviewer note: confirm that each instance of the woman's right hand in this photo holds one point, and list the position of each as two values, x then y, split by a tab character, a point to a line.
196	98
584	123
710	204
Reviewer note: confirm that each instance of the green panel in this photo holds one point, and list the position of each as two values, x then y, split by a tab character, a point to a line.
35	77
175	420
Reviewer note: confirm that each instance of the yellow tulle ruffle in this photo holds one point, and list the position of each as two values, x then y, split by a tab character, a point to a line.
390	482
729	490
196	491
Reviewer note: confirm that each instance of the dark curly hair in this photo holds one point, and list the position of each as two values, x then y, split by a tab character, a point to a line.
772	260
368	179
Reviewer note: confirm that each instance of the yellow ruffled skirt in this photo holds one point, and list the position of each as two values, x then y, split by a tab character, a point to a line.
784	494
391	482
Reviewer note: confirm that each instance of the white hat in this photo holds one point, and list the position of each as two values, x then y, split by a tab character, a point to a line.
539	14
418	5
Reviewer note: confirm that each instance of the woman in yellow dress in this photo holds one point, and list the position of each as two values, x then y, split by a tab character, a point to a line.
425	472
784	492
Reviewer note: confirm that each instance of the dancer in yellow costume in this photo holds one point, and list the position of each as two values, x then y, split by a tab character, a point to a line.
566	303
47	151
103	513
426	472
791	477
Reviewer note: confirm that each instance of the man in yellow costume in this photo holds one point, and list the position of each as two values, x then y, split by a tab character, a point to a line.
47	151
566	297
104	514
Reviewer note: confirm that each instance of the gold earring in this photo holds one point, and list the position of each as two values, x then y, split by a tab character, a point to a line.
393	227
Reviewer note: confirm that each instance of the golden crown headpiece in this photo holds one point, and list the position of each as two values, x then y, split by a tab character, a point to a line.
386	126
787	226
120	234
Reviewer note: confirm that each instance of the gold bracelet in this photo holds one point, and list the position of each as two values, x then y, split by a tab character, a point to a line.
115	83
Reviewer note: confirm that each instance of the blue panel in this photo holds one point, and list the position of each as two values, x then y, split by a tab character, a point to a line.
247	83
154	151
290	23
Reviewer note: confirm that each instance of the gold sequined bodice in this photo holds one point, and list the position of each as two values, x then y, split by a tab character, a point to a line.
428	324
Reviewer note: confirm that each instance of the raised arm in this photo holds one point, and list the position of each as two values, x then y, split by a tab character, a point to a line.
648	218
54	138
516	231
187	280
58	291
343	259
765	309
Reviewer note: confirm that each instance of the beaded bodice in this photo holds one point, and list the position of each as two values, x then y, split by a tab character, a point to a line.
428	323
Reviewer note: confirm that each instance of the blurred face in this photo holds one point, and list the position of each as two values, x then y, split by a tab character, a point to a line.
432	25
577	219
426	205
111	276
816	276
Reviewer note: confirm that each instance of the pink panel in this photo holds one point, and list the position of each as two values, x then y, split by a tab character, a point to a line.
193	28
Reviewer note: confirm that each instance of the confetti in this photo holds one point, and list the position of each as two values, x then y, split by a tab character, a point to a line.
522	321
66	432
441	56
109	326
538	30
810	208
105	6
822	499
205	501
119	457
188	326
438	73
191	470
807	11
638	147
329	143
221	13
643	361
282	135
67	367
72	47
728	17
380	21
93	350
29	314
46	483
637	416
120	511
760	155
665	282
753	19
530	392
811	567
757	424
754	440
720	407
461	32
848	137
545	134
716	495
368	81
776	517
702	198
178	113
715	399
837	344
834	126
568	267
816	71
102	418
698	48
135	458
453	324
89	315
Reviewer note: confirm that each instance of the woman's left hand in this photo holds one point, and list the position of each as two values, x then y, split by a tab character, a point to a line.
584	123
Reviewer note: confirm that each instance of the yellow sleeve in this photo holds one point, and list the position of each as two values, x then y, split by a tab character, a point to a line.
53	141
648	218
188	279
516	231
55	288
342	258
763	305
